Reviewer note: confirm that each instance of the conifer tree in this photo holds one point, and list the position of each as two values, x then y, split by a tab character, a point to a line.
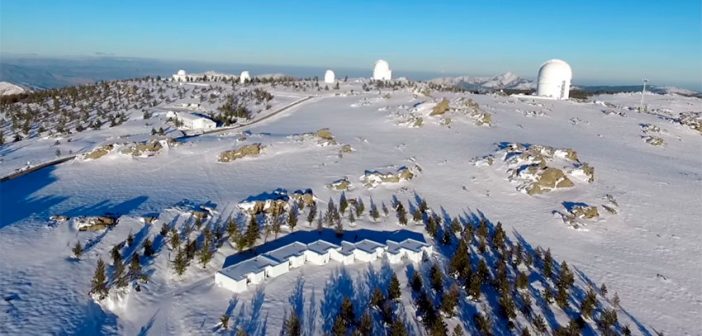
134	267
180	263
416	215
233	230
148	248
374	213
77	250
292	218
130	239
386	212
460	262
343	203
360	207
377	298
206	252
292	326
252	231
99	282
365	324
437	280
416	282
474	287
397	328
224	321
401	214
458	331
175	238
352	218
548	264
164	230
394	289
312	213
450	300
539	324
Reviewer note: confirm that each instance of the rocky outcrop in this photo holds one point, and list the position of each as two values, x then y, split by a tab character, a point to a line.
96	223
653	140
374	178
306	197
340	185
99	152
547	179
325	136
440	108
241	152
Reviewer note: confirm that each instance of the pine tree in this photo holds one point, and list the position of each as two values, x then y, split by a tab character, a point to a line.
450	300
233	230
374	213
320	222
616	300
312	213
522	280
437	280
119	279
360	207
292	326
377	298
206	252
460	262
130	239
148	248
343	203
539	324
386	212
474	286
134	267
77	250
164	230
397	328
99	282
588	304
352	218
394	289
603	290
175	238
224	320
401	214
548	264
365	324
346	311
416	215
455	225
458	331
252	231
292	218
339	228
339	327
416	282
180	263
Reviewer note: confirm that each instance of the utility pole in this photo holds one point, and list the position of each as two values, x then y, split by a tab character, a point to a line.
643	92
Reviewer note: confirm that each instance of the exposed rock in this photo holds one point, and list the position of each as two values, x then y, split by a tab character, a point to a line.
96	223
326	136
692	120
346	149
483	119
417	122
341	184
275	202
306	197
99	152
440	108
548	179
584	211
145	149
373	178
653	140
241	152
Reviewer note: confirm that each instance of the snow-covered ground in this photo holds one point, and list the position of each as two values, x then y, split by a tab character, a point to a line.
649	252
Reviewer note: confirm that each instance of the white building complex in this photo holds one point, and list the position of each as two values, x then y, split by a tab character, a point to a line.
192	121
244	77
382	71
329	77
239	276
554	80
180	76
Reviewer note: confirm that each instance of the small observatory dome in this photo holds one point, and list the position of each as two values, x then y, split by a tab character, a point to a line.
382	71
244	77
329	77
554	79
181	72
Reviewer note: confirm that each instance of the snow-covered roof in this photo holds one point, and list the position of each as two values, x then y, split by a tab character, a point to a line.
368	246
347	248
413	245
257	264
282	254
189	116
321	246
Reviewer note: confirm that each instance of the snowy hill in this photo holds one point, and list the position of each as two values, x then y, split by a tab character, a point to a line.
523	189
10	89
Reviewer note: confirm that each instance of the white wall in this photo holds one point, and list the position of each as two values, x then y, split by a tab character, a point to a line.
274	271
255	278
226	282
317	259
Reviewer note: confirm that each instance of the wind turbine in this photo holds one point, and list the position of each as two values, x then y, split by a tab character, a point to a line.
643	92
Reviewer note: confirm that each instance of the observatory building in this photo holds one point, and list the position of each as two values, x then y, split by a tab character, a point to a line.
329	77
382	71
180	76
554	80
244	77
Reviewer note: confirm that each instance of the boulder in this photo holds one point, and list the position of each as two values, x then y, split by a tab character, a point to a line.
440	108
146	149
653	140
97	223
548	179
326	135
374	178
341	184
304	196
241	152
99	152
346	149
584	211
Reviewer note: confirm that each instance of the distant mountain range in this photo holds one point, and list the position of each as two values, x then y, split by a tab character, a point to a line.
506	80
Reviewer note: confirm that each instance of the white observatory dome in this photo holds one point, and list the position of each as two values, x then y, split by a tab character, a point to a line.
244	77
382	71
329	77
181	72
554	79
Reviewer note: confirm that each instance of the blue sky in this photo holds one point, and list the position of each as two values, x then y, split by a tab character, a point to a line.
606	42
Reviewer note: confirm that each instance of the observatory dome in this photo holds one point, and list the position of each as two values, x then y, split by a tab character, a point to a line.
554	79
244	77
329	77
181	72
382	71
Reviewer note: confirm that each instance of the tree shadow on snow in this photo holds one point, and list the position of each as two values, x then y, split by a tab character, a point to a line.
17	201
